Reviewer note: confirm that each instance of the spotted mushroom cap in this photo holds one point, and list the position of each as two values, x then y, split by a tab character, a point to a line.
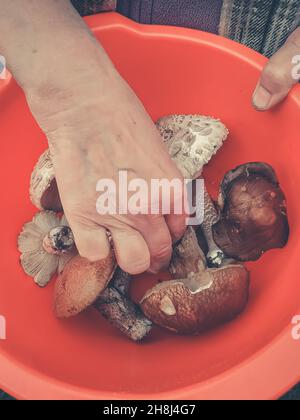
43	188
192	140
81	283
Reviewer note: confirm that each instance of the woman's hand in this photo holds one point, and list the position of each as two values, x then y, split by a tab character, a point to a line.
102	130
280	74
95	126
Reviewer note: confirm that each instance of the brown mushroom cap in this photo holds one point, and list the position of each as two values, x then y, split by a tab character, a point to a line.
43	187
81	283
254	214
202	301
198	298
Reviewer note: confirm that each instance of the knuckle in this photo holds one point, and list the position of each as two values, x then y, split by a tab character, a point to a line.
163	252
178	233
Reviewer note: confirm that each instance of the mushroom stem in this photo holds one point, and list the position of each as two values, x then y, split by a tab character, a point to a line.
117	307
187	256
59	240
215	256
121	281
121	312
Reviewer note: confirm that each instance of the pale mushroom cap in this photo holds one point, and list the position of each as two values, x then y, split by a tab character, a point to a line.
200	302
81	283
43	188
192	140
59	240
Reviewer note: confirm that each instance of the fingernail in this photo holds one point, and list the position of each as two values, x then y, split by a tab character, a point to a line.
261	98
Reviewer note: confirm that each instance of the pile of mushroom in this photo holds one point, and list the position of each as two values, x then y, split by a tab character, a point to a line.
205	291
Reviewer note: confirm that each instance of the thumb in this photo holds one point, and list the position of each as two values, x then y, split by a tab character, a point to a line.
280	74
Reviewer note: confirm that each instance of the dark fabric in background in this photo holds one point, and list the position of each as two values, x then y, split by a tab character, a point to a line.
262	25
90	7
204	14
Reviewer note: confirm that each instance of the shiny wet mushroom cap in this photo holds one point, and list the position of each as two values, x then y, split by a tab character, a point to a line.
198	298
200	302
253	213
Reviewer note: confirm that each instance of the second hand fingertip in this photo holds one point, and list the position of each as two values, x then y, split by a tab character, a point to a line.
261	98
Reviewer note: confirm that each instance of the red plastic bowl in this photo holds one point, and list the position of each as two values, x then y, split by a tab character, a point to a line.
173	71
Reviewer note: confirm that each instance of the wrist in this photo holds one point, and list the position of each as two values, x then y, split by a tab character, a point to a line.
44	45
65	68
72	86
